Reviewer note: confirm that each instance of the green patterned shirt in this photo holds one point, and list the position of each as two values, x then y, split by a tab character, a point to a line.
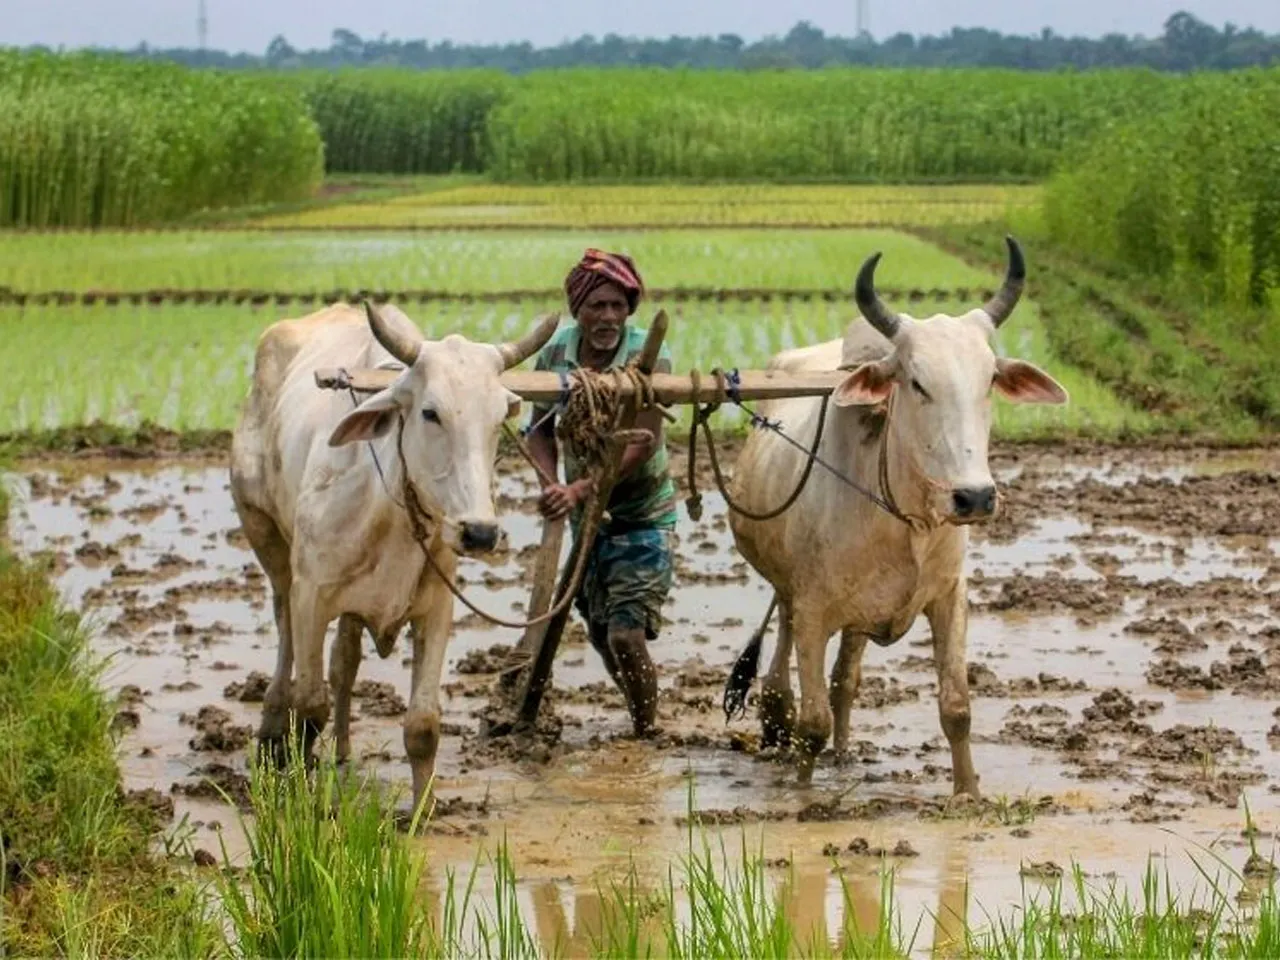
647	497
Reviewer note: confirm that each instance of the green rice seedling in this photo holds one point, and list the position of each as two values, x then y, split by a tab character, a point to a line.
188	367
327	873
463	261
674	204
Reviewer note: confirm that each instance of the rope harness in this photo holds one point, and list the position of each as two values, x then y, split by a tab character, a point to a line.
590	409
420	521
727	388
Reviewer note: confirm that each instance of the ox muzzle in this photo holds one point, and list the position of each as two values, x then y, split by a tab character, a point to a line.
479	536
973	504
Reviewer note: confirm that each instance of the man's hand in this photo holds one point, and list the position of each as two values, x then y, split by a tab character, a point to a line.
559	499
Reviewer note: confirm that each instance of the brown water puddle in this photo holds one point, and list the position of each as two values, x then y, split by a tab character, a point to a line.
1123	675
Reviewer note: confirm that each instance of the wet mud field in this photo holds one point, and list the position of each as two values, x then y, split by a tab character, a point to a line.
1124	662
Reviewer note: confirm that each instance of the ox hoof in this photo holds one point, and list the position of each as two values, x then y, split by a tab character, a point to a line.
777	717
807	756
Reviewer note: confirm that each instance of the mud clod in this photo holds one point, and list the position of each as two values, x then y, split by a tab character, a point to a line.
252	689
217	731
1188	744
1043	870
153	801
212	778
483	661
1147	807
378	699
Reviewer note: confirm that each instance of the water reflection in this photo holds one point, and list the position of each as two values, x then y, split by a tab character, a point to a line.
843	910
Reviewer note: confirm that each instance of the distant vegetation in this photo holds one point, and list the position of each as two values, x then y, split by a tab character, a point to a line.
95	140
845	125
398	121
1186	43
1189	197
866	125
91	141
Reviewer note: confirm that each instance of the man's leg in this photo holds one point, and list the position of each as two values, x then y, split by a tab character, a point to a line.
637	578
636	675
599	634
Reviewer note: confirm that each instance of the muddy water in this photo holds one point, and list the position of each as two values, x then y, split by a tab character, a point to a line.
1122	659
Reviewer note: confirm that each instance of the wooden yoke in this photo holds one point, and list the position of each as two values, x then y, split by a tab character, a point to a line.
669	389
528	698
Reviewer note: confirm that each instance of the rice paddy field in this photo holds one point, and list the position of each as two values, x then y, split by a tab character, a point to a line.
187	306
1122	654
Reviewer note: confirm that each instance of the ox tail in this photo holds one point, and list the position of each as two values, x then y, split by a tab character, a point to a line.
746	668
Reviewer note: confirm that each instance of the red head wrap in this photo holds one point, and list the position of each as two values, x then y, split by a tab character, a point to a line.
598	267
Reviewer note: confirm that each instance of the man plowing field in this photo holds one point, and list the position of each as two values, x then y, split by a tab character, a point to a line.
630	568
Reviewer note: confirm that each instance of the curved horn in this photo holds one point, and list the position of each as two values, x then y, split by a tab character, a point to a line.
1001	305
514	354
398	344
869	302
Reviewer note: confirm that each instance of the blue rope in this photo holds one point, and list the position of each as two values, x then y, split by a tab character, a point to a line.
733	389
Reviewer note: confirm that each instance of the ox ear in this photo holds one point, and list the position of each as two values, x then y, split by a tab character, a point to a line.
513	405
1024	382
869	384
370	420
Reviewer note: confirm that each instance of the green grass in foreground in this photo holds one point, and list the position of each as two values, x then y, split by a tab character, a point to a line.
469	262
674	204
327	874
77	875
188	367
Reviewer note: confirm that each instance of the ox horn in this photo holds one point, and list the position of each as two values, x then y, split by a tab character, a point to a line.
401	346
517	352
869	302
1001	305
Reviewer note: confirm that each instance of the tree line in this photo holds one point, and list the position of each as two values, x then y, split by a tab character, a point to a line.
1186	43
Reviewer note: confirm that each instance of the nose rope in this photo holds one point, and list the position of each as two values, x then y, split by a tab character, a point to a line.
418	520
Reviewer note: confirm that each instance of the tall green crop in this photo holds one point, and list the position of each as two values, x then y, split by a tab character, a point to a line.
94	140
1189	196
838	124
401	121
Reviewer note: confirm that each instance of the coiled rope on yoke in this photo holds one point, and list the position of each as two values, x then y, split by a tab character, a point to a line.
592	410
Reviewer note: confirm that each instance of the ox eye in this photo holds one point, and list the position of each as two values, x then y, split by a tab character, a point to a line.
430	415
915	385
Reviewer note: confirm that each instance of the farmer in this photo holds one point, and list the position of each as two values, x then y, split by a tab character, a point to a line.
630	569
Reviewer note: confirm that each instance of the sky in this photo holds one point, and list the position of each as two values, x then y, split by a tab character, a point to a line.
249	25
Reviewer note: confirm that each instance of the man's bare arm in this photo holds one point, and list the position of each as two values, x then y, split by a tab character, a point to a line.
637	453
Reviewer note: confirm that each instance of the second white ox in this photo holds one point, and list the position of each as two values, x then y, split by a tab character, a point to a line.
910	423
325	515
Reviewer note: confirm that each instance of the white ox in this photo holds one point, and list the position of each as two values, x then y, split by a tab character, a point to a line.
910	423
328	523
